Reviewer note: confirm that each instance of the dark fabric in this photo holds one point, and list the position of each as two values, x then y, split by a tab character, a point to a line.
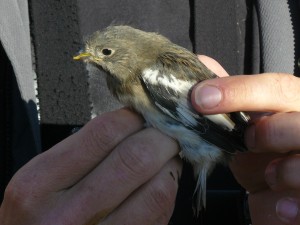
5	146
17	142
62	83
295	17
220	32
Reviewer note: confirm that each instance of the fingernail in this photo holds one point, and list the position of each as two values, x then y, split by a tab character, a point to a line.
208	97
250	137
287	209
271	173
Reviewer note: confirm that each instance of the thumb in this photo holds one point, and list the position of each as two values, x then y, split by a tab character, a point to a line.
272	92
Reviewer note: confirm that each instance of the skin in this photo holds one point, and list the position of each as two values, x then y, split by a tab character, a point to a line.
270	171
101	173
113	172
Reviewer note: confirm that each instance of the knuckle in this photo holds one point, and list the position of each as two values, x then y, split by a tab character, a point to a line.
164	218
270	134
13	192
100	135
267	133
286	87
19	194
277	132
237	92
288	171
161	197
136	157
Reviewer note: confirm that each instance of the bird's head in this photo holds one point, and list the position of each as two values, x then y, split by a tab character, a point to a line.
123	51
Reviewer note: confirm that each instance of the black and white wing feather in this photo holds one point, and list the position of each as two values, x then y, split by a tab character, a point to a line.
169	83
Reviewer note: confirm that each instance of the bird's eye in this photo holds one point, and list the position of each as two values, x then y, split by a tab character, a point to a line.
106	51
101	51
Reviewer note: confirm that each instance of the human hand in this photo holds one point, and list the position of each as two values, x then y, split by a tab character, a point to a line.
112	170
270	170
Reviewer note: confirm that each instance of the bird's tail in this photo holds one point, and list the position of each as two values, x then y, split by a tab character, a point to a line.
200	172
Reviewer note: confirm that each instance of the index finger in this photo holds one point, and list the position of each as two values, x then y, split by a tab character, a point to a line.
67	162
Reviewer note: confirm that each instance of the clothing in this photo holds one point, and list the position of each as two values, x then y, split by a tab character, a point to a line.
19	129
229	31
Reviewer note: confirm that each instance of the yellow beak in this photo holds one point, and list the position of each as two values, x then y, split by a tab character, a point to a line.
82	56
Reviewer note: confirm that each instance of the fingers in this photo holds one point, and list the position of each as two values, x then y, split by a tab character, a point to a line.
274	187
90	174
265	92
272	176
257	172
282	176
68	161
262	171
249	169
268	207
155	200
283	173
276	133
132	163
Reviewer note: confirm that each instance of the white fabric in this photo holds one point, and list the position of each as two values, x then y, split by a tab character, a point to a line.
15	39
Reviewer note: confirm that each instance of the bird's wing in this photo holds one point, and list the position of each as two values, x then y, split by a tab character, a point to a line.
169	83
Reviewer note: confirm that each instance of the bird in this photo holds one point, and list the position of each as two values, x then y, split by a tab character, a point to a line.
154	77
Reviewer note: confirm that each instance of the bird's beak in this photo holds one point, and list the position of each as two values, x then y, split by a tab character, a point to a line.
82	56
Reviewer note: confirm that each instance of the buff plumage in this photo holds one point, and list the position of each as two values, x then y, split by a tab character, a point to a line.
150	74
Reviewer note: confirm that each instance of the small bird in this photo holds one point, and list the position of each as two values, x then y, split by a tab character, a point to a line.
154	76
